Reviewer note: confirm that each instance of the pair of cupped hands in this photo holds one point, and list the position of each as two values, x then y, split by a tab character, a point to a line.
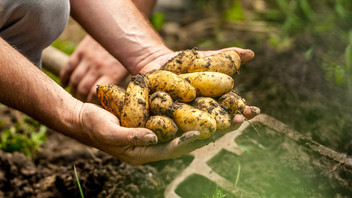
91	65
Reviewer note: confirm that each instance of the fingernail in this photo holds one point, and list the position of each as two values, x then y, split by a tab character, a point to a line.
255	110
188	136
151	138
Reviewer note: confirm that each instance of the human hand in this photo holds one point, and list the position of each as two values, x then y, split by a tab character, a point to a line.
89	66
136	146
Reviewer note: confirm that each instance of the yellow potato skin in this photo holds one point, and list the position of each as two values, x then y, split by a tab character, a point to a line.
222	118
210	84
189	118
135	110
227	62
164	127
178	88
111	97
181	61
232	102
160	103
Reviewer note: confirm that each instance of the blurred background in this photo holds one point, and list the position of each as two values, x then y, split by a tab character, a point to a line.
301	75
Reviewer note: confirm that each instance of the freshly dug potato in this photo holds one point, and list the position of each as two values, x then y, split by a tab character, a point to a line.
181	61
227	62
189	118
211	84
135	110
178	88
160	103
232	102
164	127
111	97
222	118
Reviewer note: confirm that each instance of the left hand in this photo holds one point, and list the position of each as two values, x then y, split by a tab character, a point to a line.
89	66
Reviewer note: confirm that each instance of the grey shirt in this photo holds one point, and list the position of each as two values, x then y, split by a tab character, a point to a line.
32	25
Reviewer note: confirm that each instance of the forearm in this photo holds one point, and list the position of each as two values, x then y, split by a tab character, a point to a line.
26	88
119	23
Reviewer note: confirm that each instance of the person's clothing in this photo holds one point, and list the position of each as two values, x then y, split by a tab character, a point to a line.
32	25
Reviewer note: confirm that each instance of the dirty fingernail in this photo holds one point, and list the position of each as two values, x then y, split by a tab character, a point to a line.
151	138
255	110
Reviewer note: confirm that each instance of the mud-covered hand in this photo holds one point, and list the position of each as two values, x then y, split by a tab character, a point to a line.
89	66
101	129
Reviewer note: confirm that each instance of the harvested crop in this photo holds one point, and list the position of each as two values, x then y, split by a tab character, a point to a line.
227	62
160	103
232	102
178	88
135	110
164	127
111	97
211	84
189	118
181	62
222	118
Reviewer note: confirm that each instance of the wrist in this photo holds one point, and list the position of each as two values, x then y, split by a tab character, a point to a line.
153	60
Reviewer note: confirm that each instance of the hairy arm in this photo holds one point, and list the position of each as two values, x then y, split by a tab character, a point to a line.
120	23
25	87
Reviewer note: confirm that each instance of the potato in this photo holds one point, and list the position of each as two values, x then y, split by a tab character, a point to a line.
211	84
227	62
160	103
232	102
181	61
111	97
189	118
178	88
222	118
164	127
135	110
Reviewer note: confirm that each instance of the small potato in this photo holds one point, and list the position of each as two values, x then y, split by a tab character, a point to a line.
164	127
232	102
178	88
135	110
189	118
227	62
111	97
160	103
211	84
181	61
222	118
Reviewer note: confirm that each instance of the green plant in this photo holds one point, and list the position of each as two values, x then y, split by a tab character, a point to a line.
78	183
26	136
157	20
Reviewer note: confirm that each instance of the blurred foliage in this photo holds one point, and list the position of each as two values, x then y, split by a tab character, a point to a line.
25	136
157	20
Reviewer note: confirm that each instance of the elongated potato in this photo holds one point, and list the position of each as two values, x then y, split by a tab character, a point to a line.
178	88
232	102
111	97
164	127
211	84
222	118
135	110
189	118
160	103
181	61
227	62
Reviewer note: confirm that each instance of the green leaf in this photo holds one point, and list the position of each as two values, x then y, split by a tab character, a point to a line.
348	57
158	20
235	13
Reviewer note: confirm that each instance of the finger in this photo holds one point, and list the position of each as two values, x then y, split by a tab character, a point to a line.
66	72
251	111
86	84
77	76
133	137
246	55
176	148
